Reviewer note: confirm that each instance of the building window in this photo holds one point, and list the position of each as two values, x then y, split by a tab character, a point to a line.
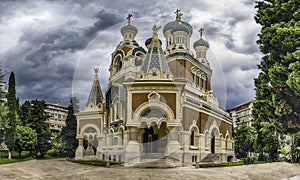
192	138
194	158
203	84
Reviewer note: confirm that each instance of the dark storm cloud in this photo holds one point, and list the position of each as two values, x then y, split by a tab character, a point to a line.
44	59
46	38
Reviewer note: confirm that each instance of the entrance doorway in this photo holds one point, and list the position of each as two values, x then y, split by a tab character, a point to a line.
212	142
150	141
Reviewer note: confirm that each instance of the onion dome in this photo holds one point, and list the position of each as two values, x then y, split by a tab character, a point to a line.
178	25
201	41
129	28
149	40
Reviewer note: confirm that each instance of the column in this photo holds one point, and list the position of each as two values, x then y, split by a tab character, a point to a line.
133	149
80	148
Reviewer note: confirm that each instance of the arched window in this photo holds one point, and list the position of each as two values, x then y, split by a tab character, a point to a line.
226	142
121	136
192	142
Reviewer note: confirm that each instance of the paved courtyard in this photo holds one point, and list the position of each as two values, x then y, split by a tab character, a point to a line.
61	169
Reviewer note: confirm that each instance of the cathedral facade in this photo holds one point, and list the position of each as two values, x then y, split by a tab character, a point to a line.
158	105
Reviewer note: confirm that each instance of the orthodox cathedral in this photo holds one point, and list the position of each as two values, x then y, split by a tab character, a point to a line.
158	106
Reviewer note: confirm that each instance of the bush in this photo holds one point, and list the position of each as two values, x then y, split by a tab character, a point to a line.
249	160
221	164
88	162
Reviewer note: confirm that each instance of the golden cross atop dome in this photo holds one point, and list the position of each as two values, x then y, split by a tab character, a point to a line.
128	17
178	15
201	32
96	70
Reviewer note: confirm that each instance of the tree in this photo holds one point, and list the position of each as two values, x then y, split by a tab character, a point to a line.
26	139
12	117
3	107
69	132
33	115
39	124
244	137
3	120
25	113
2	84
278	86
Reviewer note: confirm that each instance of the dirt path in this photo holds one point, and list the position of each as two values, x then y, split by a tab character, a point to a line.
61	169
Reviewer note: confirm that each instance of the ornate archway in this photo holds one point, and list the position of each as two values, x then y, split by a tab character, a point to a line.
90	133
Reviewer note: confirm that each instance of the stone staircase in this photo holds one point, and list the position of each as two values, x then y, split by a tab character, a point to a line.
153	163
210	158
153	160
153	156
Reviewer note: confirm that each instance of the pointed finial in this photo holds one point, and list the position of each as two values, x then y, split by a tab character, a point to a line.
201	32
178	15
128	18
155	29
96	70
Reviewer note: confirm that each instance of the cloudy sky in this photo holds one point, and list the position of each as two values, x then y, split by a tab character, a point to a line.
52	46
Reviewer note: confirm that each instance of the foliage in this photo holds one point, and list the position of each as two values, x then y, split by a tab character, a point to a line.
237	163
3	120
249	160
41	127
277	86
25	113
69	132
26	139
295	148
244	136
12	117
15	157
56	141
25	156
33	114
2	84
92	162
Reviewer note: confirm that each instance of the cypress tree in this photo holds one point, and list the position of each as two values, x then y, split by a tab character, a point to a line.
277	86
38	123
12	117
69	132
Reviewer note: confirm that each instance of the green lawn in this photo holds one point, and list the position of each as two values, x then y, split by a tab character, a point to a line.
51	154
15	157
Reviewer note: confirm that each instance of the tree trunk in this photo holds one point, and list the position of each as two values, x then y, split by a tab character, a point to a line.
9	154
20	152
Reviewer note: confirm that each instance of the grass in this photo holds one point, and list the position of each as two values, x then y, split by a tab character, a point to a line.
15	157
25	156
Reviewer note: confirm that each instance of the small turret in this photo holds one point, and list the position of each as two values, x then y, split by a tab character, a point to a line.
201	46
128	31
95	98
